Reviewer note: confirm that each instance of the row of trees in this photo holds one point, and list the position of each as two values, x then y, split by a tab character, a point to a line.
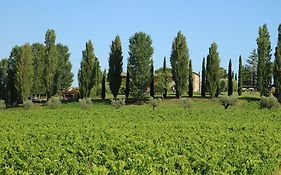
140	70
44	69
261	70
257	73
37	69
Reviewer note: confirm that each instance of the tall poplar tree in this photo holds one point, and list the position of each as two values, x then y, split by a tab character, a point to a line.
86	71
213	70
151	92
24	72
115	69
230	79
179	62
264	63
12	92
277	66
240	77
140	55
51	61
63	76
190	79
38	84
3	79
203	83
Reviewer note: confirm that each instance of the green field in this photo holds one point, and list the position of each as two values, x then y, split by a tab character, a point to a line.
134	139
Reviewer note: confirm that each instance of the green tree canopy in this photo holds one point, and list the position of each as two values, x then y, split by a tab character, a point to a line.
277	66
230	79
190	80
63	76
38	85
179	62
86	72
13	94
51	61
240	77
3	79
152	89
115	69
213	70
252	67
24	72
264	63
203	86
103	89
140	55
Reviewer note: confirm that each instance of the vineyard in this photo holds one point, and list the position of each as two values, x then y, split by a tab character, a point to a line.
205	139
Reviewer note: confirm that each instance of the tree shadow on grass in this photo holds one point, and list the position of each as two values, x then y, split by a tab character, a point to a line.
101	101
249	98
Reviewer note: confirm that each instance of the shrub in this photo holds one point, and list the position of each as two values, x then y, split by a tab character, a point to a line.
269	102
154	102
54	103
27	104
228	101
2	104
85	103
117	103
186	103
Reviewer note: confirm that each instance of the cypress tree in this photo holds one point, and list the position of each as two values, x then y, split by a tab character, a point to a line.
97	73
213	70
165	78
140	55
203	86
230	79
86	71
103	90
190	80
151	92
277	66
240	78
38	84
51	61
179	62
115	69
127	91
24	72
264	64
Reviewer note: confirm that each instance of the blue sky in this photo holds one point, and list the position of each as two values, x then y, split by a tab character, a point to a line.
232	24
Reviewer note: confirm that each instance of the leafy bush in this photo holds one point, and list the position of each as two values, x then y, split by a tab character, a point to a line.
2	104
186	103
117	103
228	101
54	103
154	102
85	103
269	102
27	104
